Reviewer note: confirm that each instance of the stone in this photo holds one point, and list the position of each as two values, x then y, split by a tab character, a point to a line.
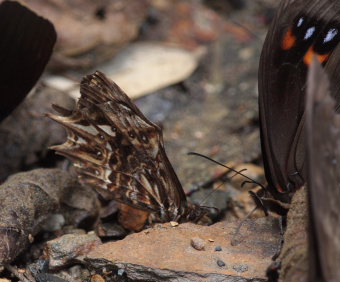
197	243
67	248
162	253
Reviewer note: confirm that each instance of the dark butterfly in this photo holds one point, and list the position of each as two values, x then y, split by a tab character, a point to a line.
300	31
27	42
323	131
121	153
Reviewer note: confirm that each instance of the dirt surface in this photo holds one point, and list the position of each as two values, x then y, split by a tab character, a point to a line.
212	110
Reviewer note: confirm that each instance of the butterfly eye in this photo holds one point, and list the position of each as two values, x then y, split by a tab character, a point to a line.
99	153
113	129
101	137
131	134
144	138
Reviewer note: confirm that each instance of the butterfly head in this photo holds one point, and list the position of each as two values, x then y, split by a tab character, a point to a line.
195	212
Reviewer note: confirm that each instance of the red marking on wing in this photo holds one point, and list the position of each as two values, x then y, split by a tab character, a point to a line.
307	59
288	40
279	188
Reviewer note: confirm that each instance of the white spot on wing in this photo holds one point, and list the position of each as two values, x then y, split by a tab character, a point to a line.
107	129
146	184
79	140
125	107
330	35
107	173
309	33
89	129
300	22
152	190
154	151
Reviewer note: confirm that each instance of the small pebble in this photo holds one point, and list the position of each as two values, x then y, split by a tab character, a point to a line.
21	270
173	223
218	248
120	272
97	278
197	243
30	238
240	268
211	240
220	263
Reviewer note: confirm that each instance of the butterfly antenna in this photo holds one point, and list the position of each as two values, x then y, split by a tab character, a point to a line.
246	29
337	108
209	194
233	241
237	231
246	182
230	168
242	170
212	191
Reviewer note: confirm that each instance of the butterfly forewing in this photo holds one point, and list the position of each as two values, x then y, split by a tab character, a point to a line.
120	152
301	29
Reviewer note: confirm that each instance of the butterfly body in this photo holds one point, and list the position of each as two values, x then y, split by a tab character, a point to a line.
121	153
300	31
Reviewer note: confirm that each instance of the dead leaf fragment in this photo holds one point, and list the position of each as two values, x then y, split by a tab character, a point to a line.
143	68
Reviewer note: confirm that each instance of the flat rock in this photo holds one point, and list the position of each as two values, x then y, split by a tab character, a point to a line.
65	249
164	253
26	134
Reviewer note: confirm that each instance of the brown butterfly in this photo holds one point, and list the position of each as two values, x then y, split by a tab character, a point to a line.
121	153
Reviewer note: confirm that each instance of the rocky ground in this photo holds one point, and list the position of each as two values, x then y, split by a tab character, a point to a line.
191	67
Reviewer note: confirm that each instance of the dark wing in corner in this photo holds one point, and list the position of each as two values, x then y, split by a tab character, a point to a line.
26	45
300	29
323	151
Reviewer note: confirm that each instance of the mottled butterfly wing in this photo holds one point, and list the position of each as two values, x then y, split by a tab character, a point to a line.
27	42
323	132
300	30
121	153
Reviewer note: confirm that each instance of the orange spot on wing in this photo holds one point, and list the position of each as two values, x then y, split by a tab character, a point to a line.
279	188
307	59
288	40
